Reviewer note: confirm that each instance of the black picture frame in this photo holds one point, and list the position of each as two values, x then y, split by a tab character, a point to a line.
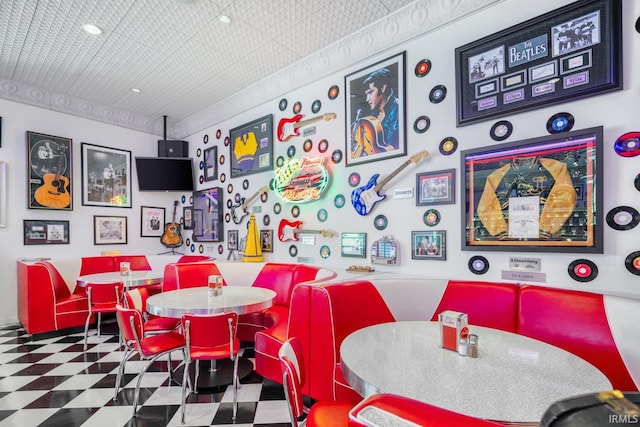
521	196
208	225
211	163
366	138
436	187
50	176
569	53
45	232
106	176
152	220
252	147
429	245
187	218
353	245
110	230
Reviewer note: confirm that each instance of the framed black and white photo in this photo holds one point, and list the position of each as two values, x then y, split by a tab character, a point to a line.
106	176
109	230
436	188
50	176
45	232
152	220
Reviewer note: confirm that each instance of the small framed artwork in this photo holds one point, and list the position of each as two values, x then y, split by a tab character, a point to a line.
369	135
436	188
429	245
266	240
208	225
211	163
109	230
353	245
187	218
3	194
252	147
45	232
151	221
50	178
232	240
106	176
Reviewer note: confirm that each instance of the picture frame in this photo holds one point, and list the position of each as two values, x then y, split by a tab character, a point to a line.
106	176
208	225
366	138
353	245
3	194
266	240
109	230
45	232
211	163
232	240
187	218
152	220
436	187
251	148
429	245
50	176
568	53
507	188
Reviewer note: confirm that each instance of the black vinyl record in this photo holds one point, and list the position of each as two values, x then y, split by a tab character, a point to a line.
421	125
297	107
438	94
628	145
501	130
315	106
632	263
638	25
448	146
623	218
478	264
561	122
333	92
380	222
283	104
636	182
583	270
423	67
431	217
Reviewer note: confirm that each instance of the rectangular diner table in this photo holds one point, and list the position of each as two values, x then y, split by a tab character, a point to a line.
514	379
241	299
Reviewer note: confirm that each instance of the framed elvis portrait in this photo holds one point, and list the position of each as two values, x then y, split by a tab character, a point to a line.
207	215
568	53
252	147
106	176
375	127
539	194
50	177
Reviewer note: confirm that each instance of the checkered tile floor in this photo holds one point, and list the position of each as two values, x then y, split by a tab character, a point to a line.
52	382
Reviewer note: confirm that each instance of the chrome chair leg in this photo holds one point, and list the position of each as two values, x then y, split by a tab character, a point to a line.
195	382
235	387
86	331
185	378
127	353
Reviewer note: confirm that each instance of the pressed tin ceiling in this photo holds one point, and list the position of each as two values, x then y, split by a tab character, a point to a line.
185	61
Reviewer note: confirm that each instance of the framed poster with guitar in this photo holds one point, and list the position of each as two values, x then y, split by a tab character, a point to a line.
151	221
375	127
49	181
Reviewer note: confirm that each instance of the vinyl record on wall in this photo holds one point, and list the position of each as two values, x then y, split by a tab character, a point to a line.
438	94
220	249
636	182
199	152
315	106
218	134
266	220
423	67
448	146
638	25
322	215
354	179
501	130
478	264
336	156
583	270
628	145
277	208
623	218
293	250
323	145
205	138
201	179
338	201
333	92
307	145
422	123
227	217
282	105
291	151
245	184
431	217
561	122
380	222
632	263
297	107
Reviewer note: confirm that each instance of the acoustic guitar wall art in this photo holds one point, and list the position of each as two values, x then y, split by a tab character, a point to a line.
364	198
172	236
289	127
54	193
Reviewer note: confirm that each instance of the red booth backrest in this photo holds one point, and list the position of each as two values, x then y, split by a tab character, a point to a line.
137	262
188	275
279	278
97	264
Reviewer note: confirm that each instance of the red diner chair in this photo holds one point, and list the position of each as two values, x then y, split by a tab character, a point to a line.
148	347
210	337
102	298
321	414
136	299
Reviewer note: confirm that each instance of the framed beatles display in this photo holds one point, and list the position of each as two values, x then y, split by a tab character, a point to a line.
571	52
50	176
539	194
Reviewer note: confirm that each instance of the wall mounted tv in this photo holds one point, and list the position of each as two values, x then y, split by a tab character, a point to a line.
165	174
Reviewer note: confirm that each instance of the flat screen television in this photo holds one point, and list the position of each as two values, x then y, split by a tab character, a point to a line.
165	173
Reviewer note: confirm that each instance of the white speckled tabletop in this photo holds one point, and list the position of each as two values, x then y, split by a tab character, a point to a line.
514	378
134	278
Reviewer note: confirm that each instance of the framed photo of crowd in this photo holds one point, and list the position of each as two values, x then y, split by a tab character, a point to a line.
571	52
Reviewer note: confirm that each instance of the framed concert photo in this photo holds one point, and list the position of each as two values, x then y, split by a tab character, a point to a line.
211	163
208	225
152	221
50	176
539	194
106	176
369	134
109	230
569	53
429	245
436	188
45	232
252	147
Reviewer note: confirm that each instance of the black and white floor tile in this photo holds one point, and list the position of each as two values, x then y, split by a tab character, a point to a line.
52	382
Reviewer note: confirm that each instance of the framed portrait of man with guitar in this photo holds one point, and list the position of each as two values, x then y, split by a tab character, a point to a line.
50	182
375	127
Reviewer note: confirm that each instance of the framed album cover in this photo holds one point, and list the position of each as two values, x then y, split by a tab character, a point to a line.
571	52
50	176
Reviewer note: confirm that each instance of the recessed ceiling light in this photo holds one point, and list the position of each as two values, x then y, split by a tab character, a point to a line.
224	19
136	90
92	29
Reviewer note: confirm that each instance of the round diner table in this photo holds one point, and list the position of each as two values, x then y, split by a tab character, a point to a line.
241	299
133	279
514	379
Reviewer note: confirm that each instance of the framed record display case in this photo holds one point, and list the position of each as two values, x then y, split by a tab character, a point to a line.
207	215
571	52
540	194
252	147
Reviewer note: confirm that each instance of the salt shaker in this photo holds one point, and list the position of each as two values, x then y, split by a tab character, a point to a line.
463	346
473	345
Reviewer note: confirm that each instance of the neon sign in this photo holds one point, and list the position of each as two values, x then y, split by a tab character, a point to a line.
301	180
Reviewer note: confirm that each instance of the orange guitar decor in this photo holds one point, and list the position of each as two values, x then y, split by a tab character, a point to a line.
172	237
368	138
289	230
54	193
289	127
